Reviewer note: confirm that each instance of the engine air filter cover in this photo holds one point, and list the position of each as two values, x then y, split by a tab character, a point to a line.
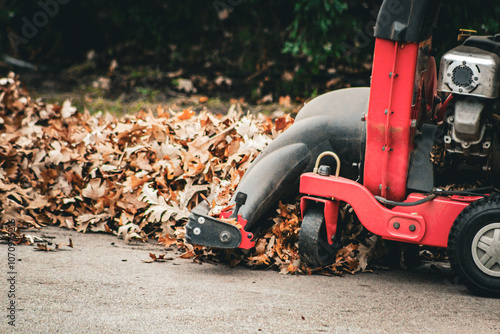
462	76
470	71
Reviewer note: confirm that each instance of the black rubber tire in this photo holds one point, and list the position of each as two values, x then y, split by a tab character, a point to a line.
478	215
314	249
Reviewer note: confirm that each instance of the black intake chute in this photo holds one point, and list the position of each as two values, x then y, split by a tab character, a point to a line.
331	122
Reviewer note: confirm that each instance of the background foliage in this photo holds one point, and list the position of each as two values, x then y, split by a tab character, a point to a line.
254	40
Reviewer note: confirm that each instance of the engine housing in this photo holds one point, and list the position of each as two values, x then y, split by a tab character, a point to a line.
472	75
470	71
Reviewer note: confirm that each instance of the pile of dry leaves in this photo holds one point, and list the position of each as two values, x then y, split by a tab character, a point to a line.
138	176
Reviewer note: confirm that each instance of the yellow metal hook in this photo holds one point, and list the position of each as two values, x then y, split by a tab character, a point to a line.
318	160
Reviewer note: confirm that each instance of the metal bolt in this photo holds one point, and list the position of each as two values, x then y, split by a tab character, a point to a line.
249	235
396	225
225	237
324	170
201	220
413	228
197	231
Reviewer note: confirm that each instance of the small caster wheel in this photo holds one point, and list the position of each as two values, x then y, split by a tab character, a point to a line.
314	248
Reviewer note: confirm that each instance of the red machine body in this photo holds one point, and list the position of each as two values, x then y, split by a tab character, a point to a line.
399	195
395	109
427	224
398	83
384	167
389	118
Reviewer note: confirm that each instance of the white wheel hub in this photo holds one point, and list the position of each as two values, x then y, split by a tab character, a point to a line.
486	249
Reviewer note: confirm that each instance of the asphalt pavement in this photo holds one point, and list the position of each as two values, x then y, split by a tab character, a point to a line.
102	285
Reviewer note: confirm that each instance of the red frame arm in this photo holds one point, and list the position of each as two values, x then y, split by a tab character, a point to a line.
427	224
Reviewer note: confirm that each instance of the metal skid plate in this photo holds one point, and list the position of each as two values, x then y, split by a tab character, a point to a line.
208	231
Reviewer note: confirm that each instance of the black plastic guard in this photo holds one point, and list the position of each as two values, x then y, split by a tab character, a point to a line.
407	20
208	231
421	170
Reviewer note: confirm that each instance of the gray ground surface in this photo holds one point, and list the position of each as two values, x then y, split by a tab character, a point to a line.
98	287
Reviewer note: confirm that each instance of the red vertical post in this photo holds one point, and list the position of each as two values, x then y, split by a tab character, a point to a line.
389	118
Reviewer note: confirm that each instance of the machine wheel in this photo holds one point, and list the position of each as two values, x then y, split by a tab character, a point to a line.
474	246
314	249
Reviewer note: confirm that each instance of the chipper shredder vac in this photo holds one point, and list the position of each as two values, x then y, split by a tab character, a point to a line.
371	148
